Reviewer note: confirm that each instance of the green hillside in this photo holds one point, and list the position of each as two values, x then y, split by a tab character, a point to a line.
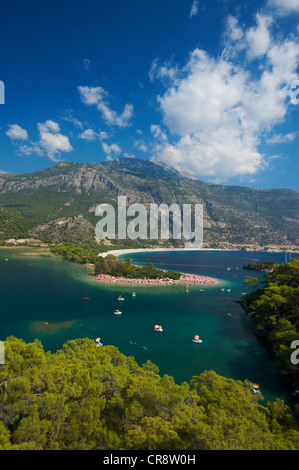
233	215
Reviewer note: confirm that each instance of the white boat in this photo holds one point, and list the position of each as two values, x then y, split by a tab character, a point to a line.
158	328
256	388
98	342
117	312
120	298
197	339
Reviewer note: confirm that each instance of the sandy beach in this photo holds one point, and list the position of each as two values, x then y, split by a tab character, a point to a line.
145	250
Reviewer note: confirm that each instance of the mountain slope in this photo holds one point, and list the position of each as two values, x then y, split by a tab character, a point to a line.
232	214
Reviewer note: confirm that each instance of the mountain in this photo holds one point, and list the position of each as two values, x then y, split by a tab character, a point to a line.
59	202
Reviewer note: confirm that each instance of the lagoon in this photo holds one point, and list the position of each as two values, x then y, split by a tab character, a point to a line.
42	298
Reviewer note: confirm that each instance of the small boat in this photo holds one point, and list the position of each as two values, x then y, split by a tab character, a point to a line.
197	339
117	312
229	314
120	298
256	388
158	328
86	298
133	295
228	290
98	342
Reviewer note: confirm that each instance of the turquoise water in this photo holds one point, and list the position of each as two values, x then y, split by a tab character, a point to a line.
43	298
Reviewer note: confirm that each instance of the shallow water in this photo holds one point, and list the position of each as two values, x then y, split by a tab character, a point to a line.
43	298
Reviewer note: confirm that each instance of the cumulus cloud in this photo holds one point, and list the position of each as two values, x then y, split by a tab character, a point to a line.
219	109
99	97
51	142
15	132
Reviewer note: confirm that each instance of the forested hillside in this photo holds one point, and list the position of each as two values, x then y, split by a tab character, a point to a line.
89	397
58	204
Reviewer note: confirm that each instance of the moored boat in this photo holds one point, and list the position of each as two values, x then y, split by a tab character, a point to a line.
197	339
158	328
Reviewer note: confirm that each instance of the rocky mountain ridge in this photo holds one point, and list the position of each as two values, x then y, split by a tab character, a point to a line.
233	215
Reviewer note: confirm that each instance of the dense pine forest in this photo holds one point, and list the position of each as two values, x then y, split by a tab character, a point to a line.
274	303
86	253
89	397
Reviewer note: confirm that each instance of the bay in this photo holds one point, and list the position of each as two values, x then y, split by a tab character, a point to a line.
42	298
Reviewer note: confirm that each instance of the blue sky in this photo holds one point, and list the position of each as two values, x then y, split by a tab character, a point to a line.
204	86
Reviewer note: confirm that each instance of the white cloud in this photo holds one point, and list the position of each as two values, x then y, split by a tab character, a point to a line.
282	139
158	133
48	126
162	72
194	8
15	132
111	150
73	120
258	38
98	96
233	30
103	135
219	109
51	140
141	145
285	7
88	134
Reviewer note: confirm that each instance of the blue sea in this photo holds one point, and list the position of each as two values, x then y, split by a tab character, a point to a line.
42	298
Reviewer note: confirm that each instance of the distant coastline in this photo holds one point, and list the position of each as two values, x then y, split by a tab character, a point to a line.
121	252
145	250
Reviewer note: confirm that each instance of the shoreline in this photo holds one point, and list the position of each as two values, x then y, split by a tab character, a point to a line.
146	250
121	252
